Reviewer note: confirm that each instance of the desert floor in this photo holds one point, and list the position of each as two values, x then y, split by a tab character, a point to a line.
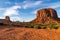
17	33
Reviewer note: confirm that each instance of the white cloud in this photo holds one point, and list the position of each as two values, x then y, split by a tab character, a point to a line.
2	8
28	4
1	17
12	11
37	2
16	7
16	18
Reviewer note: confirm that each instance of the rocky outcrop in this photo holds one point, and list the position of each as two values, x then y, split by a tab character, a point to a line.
46	16
6	20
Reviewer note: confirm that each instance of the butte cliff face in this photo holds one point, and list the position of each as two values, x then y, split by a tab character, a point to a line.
46	16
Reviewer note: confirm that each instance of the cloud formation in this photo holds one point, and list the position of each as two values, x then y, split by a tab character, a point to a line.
30	4
12	11
16	18
2	8
49	5
1	17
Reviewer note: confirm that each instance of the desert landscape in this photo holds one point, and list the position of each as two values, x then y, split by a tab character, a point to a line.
37	29
30	20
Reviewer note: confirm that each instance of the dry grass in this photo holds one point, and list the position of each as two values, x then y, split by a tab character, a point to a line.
29	34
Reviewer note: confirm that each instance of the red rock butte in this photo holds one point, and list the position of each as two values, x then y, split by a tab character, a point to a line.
46	16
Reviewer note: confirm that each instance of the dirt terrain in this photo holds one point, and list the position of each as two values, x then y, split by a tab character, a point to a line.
16	33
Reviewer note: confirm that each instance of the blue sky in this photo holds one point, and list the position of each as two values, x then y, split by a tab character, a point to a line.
25	10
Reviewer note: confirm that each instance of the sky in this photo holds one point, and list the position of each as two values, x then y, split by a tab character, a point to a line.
25	10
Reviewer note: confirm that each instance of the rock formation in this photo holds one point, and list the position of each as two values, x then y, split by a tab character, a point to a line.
6	20
46	16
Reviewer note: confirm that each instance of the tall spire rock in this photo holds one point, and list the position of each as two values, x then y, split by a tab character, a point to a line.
7	18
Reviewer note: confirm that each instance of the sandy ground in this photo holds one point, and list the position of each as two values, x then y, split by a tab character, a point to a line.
16	33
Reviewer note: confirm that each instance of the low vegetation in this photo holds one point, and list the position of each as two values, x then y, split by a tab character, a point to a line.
30	25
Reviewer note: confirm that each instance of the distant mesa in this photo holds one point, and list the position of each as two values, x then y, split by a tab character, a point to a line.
46	16
6	20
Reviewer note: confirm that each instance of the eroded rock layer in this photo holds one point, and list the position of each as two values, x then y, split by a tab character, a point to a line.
46	16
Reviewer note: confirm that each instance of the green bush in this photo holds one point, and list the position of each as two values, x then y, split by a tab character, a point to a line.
32	26
56	27
37	26
1	23
44	27
26	26
29	25
14	24
51	26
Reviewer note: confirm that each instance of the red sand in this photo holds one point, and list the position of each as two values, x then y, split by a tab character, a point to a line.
29	34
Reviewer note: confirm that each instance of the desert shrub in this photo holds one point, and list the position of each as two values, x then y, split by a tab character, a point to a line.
44	27
15	24
26	26
1	23
56	27
38	26
29	25
51	26
32	26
